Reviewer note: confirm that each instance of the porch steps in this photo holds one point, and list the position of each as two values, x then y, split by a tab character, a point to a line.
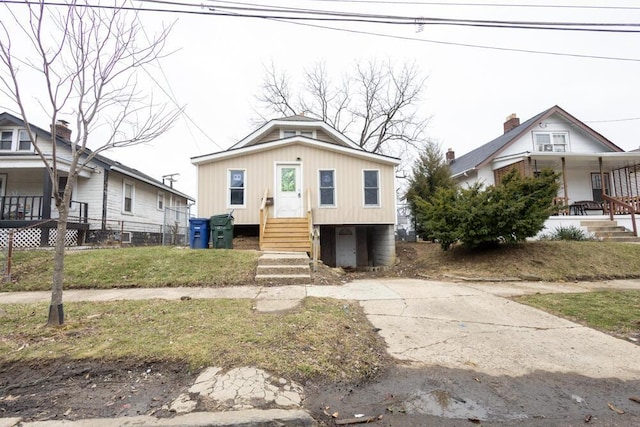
609	231
283	268
286	235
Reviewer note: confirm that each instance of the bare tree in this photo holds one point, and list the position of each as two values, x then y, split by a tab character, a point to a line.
377	104
85	59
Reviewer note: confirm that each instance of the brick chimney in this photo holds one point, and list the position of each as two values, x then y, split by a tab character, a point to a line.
62	130
512	122
450	156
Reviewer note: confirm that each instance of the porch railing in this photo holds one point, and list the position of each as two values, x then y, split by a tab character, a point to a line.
29	208
264	214
617	205
21	207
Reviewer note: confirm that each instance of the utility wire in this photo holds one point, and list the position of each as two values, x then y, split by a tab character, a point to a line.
290	21
514	5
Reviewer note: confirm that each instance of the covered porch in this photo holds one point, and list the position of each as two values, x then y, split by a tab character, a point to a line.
593	185
27	208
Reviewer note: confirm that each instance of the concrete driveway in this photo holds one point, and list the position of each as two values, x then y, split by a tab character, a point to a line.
467	326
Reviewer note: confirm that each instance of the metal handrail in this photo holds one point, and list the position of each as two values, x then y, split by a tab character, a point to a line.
613	202
264	214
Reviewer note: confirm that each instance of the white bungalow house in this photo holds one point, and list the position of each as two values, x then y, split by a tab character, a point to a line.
297	182
110	202
598	177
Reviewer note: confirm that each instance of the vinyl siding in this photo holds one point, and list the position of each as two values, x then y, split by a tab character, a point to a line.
260	169
144	201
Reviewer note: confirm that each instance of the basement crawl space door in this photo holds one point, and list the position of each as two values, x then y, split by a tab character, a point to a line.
346	247
288	194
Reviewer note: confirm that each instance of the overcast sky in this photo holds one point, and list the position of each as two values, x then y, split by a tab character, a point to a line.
217	68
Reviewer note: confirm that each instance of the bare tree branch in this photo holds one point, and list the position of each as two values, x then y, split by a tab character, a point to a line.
377	105
86	59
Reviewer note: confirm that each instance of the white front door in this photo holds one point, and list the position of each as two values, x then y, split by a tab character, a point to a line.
346	247
288	201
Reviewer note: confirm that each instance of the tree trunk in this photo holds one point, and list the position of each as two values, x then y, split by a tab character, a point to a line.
56	311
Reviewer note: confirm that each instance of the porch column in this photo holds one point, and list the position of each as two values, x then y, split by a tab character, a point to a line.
47	192
602	183
529	171
564	181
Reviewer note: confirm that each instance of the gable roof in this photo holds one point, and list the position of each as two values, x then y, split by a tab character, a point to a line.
298	139
292	122
246	145
103	161
487	152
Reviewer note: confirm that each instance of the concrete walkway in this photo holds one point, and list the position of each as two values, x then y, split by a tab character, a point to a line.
427	323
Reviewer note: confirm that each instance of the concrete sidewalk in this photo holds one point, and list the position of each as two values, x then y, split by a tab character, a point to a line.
468	326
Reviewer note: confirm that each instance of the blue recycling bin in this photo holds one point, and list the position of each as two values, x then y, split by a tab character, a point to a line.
199	233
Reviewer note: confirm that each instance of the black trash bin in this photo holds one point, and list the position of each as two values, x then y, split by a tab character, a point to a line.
198	233
222	231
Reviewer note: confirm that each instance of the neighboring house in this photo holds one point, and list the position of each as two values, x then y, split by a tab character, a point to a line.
598	177
110	202
297	182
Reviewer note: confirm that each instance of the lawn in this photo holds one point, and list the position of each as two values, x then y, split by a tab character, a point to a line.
142	267
613	312
322	339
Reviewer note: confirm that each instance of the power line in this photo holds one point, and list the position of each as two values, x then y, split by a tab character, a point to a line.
506	49
369	33
515	5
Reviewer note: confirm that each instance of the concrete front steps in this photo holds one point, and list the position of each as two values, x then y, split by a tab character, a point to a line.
609	231
283	268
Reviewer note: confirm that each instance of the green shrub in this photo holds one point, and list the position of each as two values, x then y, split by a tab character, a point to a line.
570	232
478	217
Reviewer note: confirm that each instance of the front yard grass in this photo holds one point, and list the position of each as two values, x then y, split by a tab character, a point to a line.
140	267
322	339
614	312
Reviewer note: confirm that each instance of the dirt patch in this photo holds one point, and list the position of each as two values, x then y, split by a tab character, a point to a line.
71	390
406	396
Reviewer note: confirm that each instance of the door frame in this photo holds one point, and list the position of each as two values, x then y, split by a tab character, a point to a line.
299	184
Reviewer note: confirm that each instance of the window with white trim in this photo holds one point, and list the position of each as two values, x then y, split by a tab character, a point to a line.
286	133
160	201
371	188
14	140
327	188
6	140
24	142
551	141
128	196
237	187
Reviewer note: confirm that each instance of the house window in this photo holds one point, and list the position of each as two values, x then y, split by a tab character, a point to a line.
327	188
286	133
24	143
551	141
160	201
9	143
6	138
128	191
236	187
371	188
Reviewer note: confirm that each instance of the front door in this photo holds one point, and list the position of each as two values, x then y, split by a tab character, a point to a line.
596	186
288	201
